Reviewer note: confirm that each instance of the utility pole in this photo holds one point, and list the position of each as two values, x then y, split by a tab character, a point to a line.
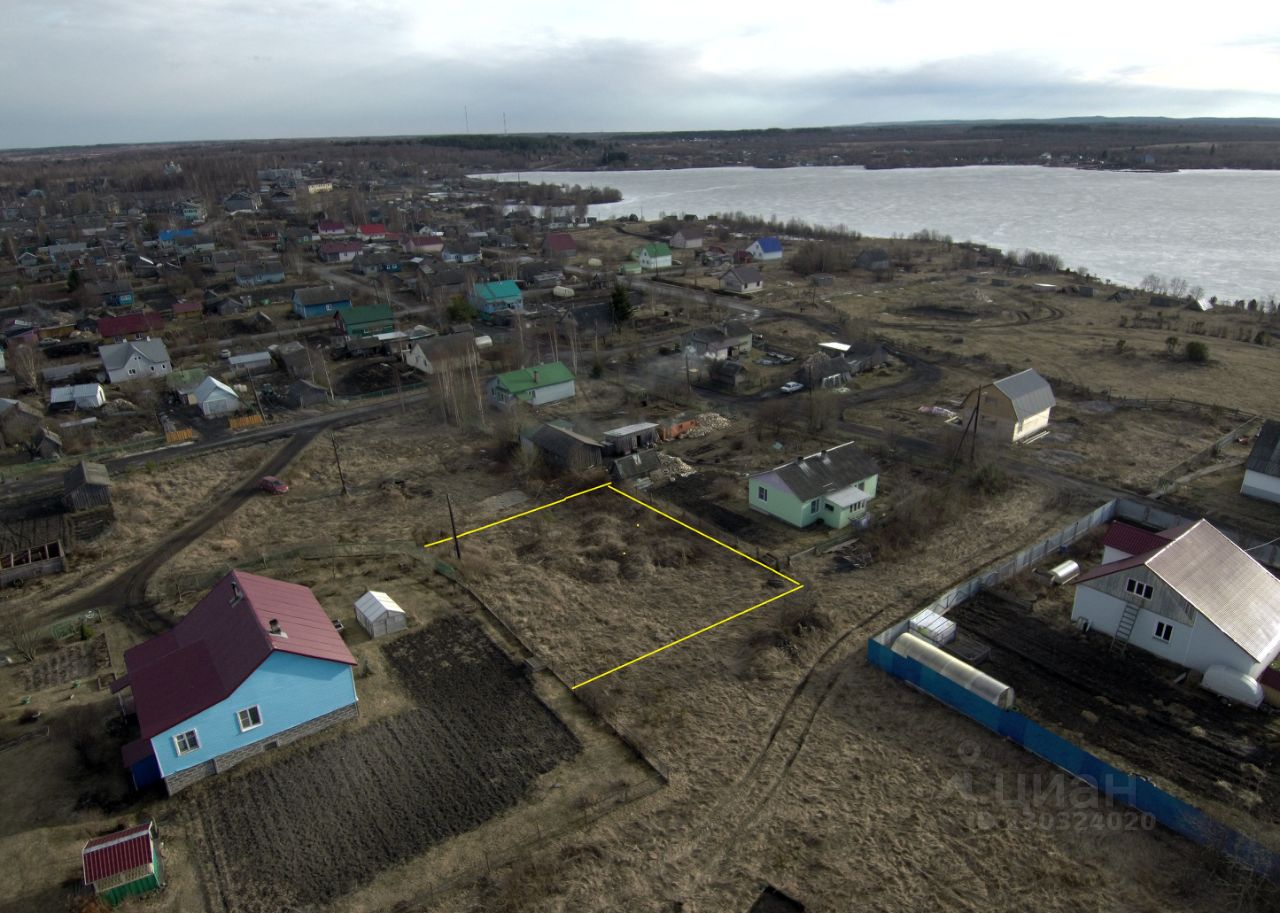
324	364
457	549
338	460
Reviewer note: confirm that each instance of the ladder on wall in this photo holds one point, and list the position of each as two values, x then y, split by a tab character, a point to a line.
1120	640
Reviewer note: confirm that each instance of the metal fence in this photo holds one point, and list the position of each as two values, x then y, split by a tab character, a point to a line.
1117	785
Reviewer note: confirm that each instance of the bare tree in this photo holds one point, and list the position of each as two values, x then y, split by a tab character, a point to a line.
23	635
24	364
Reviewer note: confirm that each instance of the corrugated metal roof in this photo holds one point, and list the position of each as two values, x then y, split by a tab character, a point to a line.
1029	393
1265	455
526	379
825	471
115	853
1228	587
116	356
630	429
220	642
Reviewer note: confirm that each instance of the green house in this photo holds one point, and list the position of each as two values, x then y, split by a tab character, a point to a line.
359	322
831	486
539	385
653	256
124	864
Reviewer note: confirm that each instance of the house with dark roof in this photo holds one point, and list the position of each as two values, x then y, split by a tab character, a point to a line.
86	486
1013	408
635	467
112	293
320	300
123	864
123	326
340	251
1262	469
331	228
442	353
1195	599
259	272
359	322
729	340
831	486
687	237
559	245
562	448
256	663
743	280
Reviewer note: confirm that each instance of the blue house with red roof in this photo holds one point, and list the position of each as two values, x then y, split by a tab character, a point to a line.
256	664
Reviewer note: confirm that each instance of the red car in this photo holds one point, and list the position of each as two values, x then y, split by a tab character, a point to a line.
273	486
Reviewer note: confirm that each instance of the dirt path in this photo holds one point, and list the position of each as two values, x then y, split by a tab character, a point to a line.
126	594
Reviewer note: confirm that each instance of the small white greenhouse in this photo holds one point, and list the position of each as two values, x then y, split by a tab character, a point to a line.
379	614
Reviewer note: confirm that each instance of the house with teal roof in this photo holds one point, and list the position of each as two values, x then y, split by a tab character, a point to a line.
537	386
503	295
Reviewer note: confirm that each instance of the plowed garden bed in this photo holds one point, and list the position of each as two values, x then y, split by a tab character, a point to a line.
301	832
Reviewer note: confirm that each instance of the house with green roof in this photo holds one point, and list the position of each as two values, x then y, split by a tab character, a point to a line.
370	320
653	256
537	386
503	295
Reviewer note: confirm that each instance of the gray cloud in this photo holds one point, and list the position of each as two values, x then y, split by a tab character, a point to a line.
283	77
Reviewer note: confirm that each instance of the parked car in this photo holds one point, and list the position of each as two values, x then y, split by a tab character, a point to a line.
273	486
224	353
792	386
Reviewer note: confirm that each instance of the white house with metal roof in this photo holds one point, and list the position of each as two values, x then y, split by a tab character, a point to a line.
1262	469
1014	408
832	486
215	398
136	359
1196	599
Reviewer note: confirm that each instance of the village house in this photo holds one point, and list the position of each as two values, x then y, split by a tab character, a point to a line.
730	340
186	309
111	293
442	353
460	252
743	280
1195	599
242	201
635	468
421	245
562	449
360	322
832	486
259	362
537	386
1014	408
119	327
539	274
765	249
256	663
1262	469
303	393
373	231
215	398
559	245
319	300
259	272
653	256
79	396
123	864
329	229
687	237
135	359
340	251
502	295
192	212
858	356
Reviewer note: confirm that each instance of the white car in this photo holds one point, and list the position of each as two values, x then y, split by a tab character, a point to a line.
792	386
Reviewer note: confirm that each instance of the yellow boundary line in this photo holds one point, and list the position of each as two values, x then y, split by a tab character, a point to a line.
796	585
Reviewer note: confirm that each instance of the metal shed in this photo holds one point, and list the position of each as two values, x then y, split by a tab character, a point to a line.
379	614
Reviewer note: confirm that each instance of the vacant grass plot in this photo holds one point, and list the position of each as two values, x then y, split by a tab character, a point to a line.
601	580
334	815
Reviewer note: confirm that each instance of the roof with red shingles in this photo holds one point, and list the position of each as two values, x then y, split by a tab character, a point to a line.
219	644
116	853
1133	540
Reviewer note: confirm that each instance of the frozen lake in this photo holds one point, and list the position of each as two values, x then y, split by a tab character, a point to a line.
1216	229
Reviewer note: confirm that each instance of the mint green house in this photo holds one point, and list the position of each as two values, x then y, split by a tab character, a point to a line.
831	486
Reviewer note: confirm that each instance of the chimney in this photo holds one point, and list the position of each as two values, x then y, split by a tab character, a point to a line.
274	626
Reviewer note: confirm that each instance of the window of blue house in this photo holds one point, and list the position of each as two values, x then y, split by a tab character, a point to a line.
186	742
249	718
762	493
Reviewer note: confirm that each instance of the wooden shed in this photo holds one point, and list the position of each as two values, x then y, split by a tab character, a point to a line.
86	486
124	864
379	614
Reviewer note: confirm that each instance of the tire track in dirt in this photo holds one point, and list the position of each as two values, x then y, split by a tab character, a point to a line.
126	594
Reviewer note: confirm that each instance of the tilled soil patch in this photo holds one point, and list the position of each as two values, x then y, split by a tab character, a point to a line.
305	830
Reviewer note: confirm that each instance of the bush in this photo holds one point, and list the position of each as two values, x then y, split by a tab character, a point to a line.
1197	352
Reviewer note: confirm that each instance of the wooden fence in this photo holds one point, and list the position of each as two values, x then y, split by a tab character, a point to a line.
238	422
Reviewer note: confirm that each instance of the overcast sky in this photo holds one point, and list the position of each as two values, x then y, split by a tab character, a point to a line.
102	71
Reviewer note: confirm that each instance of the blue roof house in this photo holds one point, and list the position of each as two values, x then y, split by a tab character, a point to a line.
489	297
318	301
765	249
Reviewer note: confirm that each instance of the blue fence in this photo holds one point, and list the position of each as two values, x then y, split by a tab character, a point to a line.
1173	813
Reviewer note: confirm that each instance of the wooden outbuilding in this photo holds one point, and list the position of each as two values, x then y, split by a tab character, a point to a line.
124	864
